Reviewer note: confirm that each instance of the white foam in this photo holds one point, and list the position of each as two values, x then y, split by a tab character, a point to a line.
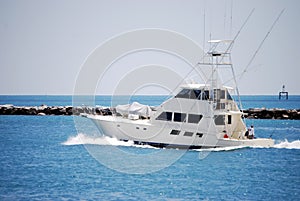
82	139
288	145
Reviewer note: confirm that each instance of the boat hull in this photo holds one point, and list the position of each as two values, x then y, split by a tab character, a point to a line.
143	132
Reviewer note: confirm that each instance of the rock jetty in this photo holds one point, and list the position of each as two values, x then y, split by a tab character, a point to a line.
52	110
275	113
252	113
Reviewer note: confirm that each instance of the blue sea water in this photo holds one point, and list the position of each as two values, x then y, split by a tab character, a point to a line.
43	158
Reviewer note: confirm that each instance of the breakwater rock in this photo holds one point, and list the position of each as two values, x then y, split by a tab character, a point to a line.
52	110
263	113
252	113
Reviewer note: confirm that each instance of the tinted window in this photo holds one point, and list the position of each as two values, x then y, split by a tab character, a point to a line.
219	119
229	96
229	119
194	118
205	95
179	117
188	134
191	94
222	95
219	94
165	116
185	93
175	132
195	94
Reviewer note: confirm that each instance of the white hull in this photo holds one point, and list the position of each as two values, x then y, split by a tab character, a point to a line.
143	132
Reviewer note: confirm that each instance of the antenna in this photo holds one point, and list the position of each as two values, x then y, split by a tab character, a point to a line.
225	15
231	19
204	27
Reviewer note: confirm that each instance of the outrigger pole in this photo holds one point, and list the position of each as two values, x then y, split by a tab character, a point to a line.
262	42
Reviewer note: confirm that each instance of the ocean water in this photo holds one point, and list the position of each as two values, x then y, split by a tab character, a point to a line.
45	158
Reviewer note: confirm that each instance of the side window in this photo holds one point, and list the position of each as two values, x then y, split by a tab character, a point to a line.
165	116
179	117
205	95
222	96
185	93
174	132
187	133
195	94
219	120
194	118
229	119
229	96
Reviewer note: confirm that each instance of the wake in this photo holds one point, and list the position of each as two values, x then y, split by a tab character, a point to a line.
288	145
82	139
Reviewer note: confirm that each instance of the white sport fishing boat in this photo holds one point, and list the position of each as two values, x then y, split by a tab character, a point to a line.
199	116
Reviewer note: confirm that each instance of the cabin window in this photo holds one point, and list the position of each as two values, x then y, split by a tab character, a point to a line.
179	117
194	118
195	94
205	95
189	134
174	132
219	120
200	135
229	119
229	96
184	93
165	116
189	94
222	94
219	94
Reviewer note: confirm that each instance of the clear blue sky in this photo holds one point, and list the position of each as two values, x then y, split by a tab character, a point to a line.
43	44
